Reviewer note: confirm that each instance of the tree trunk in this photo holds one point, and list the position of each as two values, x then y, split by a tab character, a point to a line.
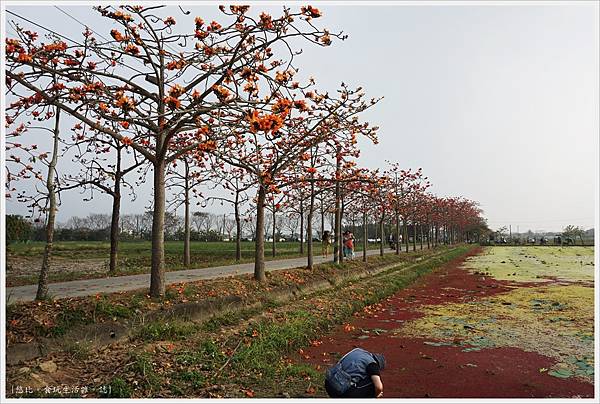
238	228
322	217
382	239
259	251
342	208
397	234
186	218
157	270
338	226
309	231
365	236
301	228
114	223
42	290
114	219
429	236
414	243
274	230
421	235
406	235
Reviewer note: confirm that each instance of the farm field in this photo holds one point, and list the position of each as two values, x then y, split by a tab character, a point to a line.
74	260
509	322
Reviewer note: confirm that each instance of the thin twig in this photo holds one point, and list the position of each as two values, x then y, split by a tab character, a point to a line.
228	360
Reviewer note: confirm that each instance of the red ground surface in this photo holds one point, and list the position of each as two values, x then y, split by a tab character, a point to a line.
417	370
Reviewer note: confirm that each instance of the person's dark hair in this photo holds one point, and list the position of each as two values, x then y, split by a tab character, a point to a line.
380	360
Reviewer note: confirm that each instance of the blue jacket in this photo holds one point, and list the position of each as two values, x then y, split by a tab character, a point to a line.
355	363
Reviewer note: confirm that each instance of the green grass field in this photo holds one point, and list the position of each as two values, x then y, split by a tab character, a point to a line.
100	249
89	259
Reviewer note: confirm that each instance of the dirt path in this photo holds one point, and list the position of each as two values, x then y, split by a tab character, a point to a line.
90	287
464	357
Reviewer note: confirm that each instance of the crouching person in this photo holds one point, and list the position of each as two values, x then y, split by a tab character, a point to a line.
356	375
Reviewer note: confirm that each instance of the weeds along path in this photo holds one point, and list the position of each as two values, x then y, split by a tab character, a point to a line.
243	353
504	323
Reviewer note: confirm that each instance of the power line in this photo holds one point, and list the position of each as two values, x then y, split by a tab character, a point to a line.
65	37
100	35
85	25
108	40
44	28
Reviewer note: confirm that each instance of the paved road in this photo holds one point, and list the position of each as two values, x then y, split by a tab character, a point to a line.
89	287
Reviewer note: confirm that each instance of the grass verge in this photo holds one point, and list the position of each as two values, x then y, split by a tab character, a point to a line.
255	359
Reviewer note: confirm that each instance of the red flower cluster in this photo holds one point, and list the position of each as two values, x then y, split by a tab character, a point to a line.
95	87
125	103
58	46
311	11
176	91
281	105
283	77
265	123
199	34
25	57
119	15
239	9
266	21
301	105
176	64
13	45
221	92
117	35
172	102
214	26
70	62
132	49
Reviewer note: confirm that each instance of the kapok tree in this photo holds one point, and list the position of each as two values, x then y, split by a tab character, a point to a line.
381	197
32	113
275	203
360	187
236	184
106	163
406	186
271	137
183	178
182	79
325	165
340	147
21	164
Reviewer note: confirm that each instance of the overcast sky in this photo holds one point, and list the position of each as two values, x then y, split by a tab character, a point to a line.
497	103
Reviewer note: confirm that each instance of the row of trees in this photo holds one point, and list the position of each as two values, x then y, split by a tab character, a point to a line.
215	104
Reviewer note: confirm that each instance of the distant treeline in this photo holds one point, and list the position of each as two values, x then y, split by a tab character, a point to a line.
96	227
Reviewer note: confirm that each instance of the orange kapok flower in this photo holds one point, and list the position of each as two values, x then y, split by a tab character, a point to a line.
117	35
